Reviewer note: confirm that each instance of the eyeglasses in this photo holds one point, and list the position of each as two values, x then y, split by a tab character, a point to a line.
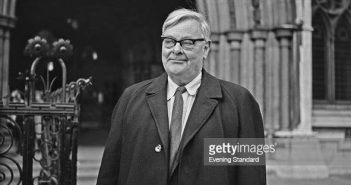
186	44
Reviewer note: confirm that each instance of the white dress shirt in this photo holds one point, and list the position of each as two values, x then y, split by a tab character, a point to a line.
188	97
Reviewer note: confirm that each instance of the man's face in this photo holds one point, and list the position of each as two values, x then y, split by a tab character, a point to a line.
183	65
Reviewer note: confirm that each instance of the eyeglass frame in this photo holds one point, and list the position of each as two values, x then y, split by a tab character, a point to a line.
182	40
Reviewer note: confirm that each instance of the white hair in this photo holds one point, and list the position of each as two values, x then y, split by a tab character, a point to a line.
183	14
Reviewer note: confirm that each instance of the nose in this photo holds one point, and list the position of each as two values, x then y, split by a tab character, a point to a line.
177	49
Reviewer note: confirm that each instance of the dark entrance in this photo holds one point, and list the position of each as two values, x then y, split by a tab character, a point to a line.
116	42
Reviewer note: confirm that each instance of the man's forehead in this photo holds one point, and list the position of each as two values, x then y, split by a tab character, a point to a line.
185	28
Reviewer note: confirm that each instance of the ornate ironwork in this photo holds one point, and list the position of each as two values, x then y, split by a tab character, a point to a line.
10	169
39	146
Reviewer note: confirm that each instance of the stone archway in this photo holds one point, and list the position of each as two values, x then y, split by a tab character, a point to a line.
265	46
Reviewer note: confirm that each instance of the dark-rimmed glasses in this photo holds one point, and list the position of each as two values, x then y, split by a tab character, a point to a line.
186	44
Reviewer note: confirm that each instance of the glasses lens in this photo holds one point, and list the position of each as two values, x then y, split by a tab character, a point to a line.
188	44
168	42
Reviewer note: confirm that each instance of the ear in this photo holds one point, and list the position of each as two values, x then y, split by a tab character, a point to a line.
206	49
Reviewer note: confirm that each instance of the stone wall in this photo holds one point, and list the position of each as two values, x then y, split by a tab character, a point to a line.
259	45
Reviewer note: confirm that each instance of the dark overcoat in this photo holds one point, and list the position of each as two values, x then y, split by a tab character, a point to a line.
136	151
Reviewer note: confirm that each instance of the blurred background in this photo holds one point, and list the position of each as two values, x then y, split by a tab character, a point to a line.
293	55
115	42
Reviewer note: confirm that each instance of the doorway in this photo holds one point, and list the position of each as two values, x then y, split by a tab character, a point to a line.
115	42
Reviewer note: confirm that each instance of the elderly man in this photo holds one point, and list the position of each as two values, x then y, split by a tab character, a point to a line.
159	125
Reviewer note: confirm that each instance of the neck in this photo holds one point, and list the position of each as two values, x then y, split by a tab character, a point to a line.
182	80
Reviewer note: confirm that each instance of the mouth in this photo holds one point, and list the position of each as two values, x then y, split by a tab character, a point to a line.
177	60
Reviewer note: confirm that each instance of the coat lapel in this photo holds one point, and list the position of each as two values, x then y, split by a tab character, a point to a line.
205	102
157	101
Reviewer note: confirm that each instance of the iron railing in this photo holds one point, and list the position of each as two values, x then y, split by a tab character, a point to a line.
38	136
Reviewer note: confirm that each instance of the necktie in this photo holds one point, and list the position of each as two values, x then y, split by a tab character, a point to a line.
176	127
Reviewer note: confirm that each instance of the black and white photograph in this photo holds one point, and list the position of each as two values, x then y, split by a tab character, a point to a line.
175	92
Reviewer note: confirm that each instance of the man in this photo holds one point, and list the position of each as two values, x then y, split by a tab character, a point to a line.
159	125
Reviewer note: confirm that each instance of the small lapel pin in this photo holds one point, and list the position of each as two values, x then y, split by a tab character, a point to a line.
158	148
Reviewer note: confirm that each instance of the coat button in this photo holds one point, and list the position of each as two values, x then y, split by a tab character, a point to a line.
158	148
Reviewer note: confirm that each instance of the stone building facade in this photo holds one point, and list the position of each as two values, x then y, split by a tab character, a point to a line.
292	54
266	46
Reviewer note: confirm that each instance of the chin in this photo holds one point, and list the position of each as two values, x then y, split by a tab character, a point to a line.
176	72
176	69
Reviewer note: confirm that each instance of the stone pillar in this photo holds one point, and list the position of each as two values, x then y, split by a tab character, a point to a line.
212	66
234	38
272	77
223	61
305	67
3	72
6	23
259	36
284	36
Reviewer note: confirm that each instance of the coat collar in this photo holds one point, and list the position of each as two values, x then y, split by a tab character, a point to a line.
209	84
191	87
158	84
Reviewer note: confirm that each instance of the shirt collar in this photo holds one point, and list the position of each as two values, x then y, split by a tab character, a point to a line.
191	87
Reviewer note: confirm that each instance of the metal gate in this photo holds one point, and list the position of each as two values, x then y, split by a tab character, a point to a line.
38	136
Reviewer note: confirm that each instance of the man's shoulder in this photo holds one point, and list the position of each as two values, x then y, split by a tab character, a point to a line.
139	86
237	93
233	88
142	86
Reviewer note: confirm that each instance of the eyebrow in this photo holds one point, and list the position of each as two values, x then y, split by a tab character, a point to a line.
183	38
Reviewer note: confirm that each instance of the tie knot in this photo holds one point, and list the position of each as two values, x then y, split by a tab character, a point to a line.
181	89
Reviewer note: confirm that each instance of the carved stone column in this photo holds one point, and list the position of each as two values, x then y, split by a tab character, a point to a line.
234	38
223	61
284	36
212	66
305	125
259	36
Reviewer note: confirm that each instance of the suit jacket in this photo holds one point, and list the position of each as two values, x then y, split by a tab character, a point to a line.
137	148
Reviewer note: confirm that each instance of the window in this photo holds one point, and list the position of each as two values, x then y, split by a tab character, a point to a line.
343	60
331	47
